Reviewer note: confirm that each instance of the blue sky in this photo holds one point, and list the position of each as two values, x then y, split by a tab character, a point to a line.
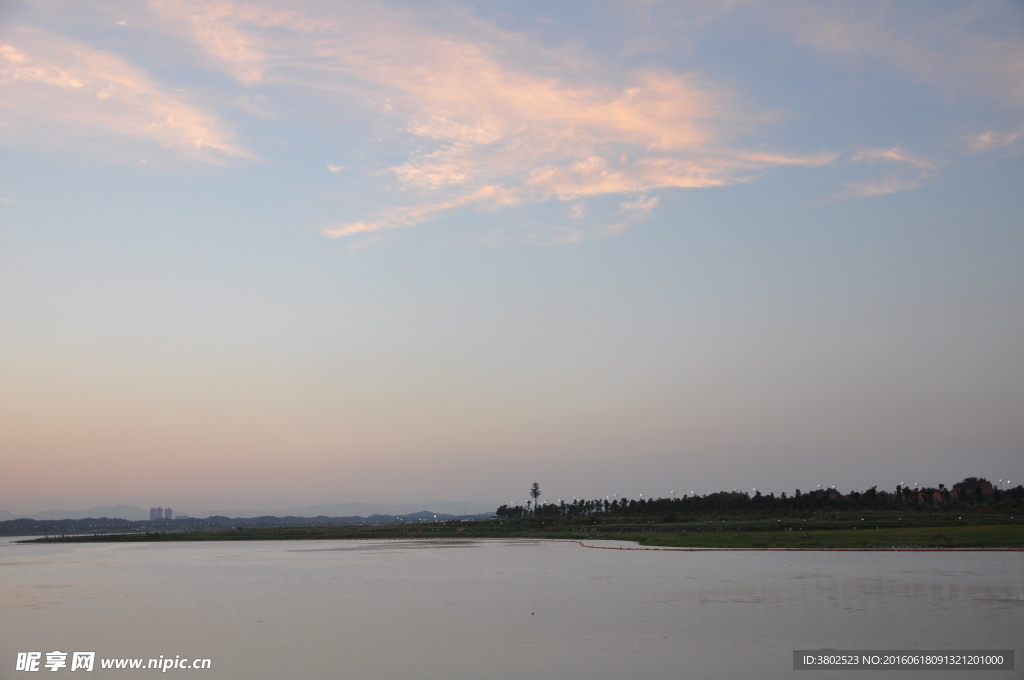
272	254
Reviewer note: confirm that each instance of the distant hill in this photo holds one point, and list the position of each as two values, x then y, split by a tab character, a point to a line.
361	510
133	513
129	512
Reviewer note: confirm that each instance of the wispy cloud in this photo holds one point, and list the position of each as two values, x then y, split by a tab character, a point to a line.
488	197
492	119
994	141
967	50
893	155
963	49
631	212
55	91
8	200
882	187
913	172
642	204
221	29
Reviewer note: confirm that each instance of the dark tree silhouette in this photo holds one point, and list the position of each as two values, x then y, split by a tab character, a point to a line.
968	494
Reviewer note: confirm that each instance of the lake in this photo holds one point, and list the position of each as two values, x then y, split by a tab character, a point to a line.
496	609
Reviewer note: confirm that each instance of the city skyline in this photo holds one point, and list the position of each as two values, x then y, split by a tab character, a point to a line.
274	255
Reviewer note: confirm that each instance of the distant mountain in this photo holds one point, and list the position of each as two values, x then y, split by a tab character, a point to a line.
361	510
241	513
133	513
367	509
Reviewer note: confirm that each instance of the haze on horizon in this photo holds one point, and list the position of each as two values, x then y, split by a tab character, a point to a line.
275	254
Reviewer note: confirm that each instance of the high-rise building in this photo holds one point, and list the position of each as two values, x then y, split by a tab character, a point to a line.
152	513
168	514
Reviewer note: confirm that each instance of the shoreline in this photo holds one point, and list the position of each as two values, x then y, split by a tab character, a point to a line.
991	538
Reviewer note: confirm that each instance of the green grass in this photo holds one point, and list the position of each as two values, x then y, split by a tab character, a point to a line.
1005	536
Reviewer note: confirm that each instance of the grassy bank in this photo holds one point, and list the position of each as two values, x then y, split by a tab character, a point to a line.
942	537
703	535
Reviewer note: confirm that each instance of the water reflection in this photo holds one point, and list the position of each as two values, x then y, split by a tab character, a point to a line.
496	609
392	546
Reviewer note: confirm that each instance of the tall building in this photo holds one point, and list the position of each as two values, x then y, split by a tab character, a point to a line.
152	513
168	514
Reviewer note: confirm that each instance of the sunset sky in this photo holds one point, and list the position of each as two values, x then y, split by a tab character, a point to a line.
270	254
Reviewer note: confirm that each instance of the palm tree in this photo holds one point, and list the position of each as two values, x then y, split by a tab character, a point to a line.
535	494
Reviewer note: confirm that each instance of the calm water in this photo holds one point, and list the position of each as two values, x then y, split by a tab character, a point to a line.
492	609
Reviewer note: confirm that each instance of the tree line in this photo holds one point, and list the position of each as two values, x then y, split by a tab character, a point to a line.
971	493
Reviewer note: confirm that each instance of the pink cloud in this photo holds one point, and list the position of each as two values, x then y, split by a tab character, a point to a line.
488	197
487	111
893	155
59	92
993	141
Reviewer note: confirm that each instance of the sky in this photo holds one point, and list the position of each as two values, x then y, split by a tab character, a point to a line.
270	254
